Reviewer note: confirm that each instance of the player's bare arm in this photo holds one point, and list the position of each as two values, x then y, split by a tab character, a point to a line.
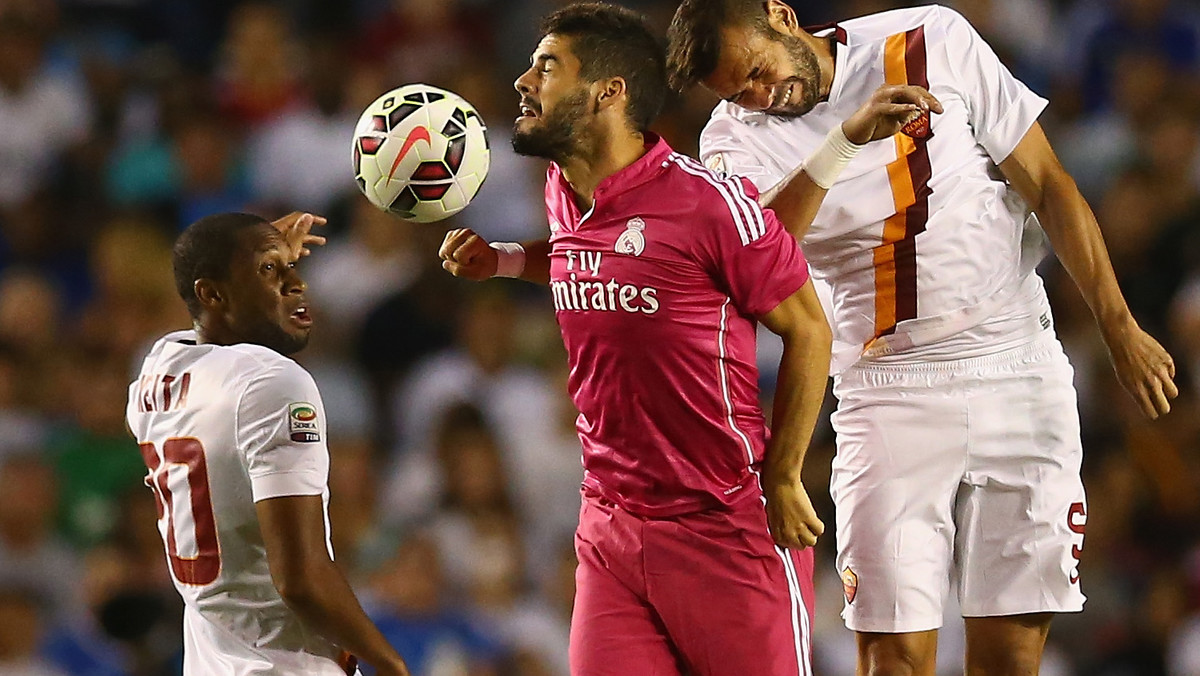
465	254
293	530
798	196
800	390
296	229
1144	368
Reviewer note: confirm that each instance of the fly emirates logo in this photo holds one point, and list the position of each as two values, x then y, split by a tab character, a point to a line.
586	295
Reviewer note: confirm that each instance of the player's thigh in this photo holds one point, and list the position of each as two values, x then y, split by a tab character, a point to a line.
1021	508
901	454
614	630
733	602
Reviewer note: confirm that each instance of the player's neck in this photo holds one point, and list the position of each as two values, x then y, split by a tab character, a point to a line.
608	155
208	334
826	50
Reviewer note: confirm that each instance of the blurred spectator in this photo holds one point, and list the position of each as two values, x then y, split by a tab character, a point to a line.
192	171
96	460
32	556
134	294
130	628
410	606
480	369
256	73
376	257
1102	144
43	112
30	309
1099	33
300	157
20	635
421	40
23	427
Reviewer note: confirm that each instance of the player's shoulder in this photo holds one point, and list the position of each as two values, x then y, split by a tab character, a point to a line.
255	361
702	187
872	28
712	195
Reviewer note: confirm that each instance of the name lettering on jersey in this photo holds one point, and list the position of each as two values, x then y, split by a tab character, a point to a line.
302	422
162	392
589	261
583	295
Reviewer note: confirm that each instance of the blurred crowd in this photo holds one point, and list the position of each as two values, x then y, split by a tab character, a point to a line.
455	466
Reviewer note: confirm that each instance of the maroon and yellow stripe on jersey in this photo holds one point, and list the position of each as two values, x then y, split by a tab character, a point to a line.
896	257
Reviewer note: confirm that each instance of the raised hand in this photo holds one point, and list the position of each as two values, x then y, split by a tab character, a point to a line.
467	255
296	229
889	109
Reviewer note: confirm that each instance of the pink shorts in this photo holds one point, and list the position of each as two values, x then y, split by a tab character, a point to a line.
703	594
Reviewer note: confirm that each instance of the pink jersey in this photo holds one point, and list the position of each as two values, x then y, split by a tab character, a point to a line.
656	290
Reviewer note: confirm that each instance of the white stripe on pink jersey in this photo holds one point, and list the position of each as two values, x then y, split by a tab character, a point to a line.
736	204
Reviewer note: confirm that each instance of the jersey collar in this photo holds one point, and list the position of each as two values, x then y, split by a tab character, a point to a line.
642	170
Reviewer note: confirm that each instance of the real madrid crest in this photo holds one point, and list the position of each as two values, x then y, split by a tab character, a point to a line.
632	242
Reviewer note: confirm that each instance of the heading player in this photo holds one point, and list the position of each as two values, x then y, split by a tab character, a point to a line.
953	390
233	433
660	270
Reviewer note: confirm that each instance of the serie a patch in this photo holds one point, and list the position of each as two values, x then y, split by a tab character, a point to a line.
302	422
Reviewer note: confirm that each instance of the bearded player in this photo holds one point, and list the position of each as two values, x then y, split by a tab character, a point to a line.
959	452
233	434
660	271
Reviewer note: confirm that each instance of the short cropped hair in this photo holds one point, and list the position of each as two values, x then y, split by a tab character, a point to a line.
612	41
694	37
204	251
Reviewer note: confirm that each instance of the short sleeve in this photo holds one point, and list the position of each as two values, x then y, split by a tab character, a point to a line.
281	433
747	250
722	151
1001	109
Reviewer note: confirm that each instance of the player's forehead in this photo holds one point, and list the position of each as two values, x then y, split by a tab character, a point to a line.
556	48
259	241
741	50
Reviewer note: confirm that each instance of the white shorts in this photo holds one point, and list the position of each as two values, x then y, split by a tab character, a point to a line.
961	473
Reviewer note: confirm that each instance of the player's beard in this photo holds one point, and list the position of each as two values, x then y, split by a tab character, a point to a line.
556	136
807	76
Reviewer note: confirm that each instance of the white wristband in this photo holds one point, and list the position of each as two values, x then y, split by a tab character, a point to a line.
511	262
828	161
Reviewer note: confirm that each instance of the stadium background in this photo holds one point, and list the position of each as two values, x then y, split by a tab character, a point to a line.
454	459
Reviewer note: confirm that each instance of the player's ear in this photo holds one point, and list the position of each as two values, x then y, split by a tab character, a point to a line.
612	92
782	18
208	292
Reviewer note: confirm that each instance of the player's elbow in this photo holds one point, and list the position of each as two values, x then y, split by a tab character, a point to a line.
298	586
811	334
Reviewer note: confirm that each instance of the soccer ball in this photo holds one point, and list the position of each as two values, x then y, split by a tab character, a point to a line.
420	152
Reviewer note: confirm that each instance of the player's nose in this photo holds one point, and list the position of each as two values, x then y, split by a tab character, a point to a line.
294	283
521	84
757	97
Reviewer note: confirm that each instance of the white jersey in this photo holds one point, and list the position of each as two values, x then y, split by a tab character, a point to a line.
919	240
221	427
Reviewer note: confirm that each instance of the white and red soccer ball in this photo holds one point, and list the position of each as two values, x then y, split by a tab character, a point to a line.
420	153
